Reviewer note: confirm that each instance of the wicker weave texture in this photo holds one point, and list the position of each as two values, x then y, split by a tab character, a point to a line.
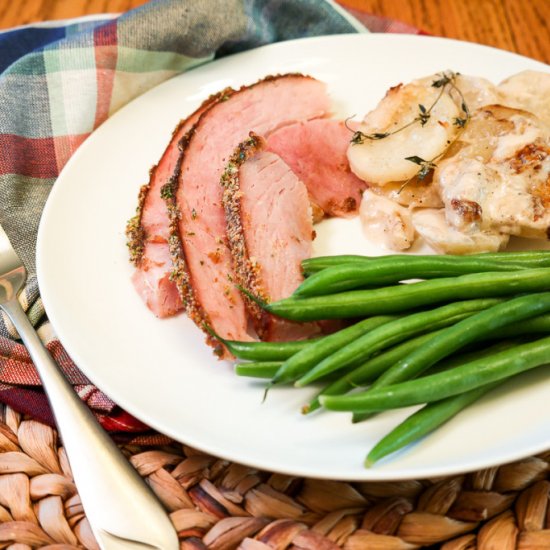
220	505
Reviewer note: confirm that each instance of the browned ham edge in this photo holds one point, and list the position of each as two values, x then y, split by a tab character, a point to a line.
246	270
257	185
135	233
198	241
148	231
180	272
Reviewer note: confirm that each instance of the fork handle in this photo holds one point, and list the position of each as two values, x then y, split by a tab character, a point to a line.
114	496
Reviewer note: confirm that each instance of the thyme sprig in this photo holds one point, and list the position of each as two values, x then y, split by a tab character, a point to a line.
427	166
446	83
423	117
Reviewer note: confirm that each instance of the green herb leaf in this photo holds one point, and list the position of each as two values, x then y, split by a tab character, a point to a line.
417	160
425	170
443	81
446	78
424	114
426	166
378	135
358	138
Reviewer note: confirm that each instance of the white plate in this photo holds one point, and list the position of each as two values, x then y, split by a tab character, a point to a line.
161	371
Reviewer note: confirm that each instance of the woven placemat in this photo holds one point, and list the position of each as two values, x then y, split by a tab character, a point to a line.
220	505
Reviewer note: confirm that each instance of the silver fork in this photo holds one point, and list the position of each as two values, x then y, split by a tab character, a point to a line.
123	512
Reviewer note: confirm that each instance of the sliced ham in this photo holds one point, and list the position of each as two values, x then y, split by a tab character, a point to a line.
270	232
148	231
316	150
203	261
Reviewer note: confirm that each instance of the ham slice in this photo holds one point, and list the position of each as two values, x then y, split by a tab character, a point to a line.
316	150
148	231
270	232
203	262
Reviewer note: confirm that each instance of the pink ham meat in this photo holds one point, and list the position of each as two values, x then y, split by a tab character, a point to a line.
148	231
270	232
316	152
203	263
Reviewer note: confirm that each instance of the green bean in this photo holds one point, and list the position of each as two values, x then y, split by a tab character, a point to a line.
314	265
368	371
403	297
532	258
439	386
540	324
388	270
451	363
468	330
423	422
267	351
392	333
259	369
305	359
457	360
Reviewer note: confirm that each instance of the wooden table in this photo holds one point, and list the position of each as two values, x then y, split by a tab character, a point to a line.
521	26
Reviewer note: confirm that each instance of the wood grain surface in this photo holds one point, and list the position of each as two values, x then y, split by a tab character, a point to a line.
521	26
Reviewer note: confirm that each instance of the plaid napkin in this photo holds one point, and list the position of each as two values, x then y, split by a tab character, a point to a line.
61	81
